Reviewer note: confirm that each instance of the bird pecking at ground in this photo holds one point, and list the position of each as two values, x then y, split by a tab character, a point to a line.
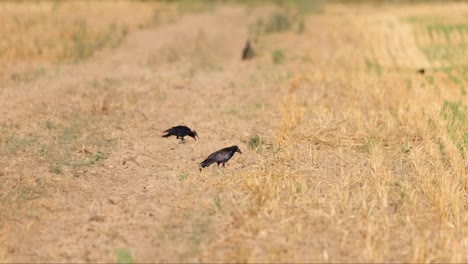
220	156
247	52
180	132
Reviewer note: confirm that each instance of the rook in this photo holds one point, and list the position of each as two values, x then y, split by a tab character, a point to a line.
220	156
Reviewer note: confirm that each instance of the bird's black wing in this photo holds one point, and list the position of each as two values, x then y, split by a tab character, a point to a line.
214	157
219	156
169	130
210	160
179	130
222	155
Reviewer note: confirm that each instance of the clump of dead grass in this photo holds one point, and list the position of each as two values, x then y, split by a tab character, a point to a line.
388	183
55	31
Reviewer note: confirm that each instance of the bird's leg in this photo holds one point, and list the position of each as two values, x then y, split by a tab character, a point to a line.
224	164
182	140
218	164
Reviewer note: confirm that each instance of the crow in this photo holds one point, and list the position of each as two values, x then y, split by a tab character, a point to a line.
220	156
421	71
247	52
180	132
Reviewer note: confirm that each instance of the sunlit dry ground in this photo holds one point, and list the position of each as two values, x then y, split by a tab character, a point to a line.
348	153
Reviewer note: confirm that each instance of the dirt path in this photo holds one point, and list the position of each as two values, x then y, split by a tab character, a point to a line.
147	184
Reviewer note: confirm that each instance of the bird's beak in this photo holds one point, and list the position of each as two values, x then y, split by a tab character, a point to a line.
240	151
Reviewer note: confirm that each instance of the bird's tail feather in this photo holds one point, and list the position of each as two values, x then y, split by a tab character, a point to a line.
167	135
205	163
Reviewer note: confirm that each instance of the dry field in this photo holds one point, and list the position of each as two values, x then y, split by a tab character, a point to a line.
349	155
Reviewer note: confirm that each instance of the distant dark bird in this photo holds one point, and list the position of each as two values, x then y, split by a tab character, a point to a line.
247	52
421	71
220	156
180	132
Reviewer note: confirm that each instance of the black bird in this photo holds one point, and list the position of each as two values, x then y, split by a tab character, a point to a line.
421	71
220	156
180	132
247	52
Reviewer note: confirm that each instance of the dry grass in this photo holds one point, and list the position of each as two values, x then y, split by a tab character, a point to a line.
57	31
348	153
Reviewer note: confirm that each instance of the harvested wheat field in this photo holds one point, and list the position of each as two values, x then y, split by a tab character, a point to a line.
351	118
